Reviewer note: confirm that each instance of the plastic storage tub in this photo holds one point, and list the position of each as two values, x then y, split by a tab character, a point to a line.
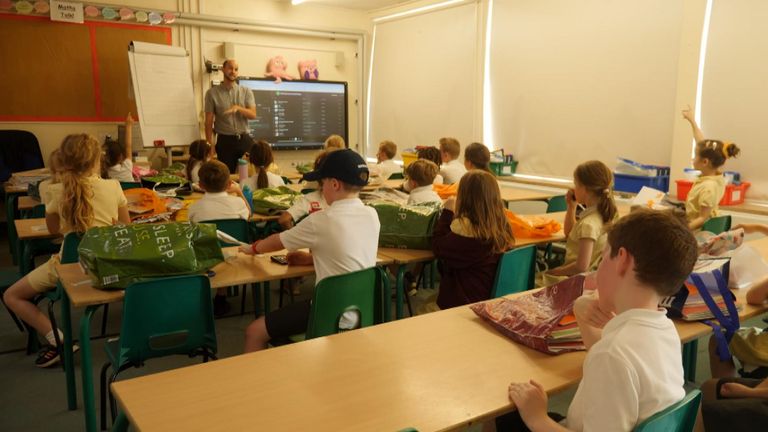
734	194
503	168
633	184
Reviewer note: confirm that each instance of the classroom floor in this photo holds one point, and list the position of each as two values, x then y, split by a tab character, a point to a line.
34	399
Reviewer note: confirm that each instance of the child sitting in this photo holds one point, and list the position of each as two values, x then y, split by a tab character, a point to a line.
421	175
306	204
261	158
707	191
468	240
431	154
199	153
343	238
452	169
633	367
477	156
334	142
593	187
386	166
117	157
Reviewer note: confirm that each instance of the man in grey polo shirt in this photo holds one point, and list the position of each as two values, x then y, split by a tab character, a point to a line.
228	107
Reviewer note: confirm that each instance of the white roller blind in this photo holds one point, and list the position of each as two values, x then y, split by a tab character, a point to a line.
735	92
579	80
424	79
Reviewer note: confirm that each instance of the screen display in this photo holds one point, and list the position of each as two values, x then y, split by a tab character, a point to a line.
297	114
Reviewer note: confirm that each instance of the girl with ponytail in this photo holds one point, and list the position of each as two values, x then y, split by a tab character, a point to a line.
706	193
79	201
261	158
593	188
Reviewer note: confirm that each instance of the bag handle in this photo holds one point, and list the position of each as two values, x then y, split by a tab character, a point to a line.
727	326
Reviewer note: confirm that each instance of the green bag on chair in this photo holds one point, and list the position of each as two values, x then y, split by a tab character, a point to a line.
269	201
404	226
116	256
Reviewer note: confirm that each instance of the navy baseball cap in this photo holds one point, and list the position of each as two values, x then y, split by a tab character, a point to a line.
344	165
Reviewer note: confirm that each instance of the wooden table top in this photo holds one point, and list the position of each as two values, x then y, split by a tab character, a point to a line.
9	188
31	229
510	194
27	202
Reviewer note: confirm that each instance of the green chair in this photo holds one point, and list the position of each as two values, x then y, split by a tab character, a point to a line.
286	180
161	317
679	417
237	228
516	271
397	176
130	185
718	224
362	292
554	204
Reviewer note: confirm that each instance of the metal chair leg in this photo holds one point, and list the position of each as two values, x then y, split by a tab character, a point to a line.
103	394
104	317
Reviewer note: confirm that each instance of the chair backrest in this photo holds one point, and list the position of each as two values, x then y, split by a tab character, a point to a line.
286	180
130	185
19	151
37	211
237	228
397	176
556	204
167	316
516	271
360	292
679	417
718	224
69	253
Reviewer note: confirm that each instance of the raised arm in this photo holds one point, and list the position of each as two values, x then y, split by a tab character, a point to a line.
688	114
128	136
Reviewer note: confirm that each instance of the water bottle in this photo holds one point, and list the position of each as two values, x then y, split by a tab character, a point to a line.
242	170
248	194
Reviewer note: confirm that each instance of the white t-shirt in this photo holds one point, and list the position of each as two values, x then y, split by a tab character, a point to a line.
424	194
307	204
122	172
343	238
407	184
385	169
273	179
195	172
218	205
452	171
633	372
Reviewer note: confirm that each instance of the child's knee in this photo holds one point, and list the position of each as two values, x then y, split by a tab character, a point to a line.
257	329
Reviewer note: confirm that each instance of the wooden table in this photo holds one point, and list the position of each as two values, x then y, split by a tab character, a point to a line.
511	194
27	202
78	291
33	229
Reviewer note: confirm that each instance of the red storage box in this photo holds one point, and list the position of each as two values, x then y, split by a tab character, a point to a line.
734	194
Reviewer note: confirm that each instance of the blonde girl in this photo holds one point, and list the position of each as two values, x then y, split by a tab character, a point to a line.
80	201
469	238
261	158
585	233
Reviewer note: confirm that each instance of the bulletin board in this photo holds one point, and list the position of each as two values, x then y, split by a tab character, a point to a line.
68	72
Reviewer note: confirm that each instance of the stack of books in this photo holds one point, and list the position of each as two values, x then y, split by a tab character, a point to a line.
688	304
25	178
566	336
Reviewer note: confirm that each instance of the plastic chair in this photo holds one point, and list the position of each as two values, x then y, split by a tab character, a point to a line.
516	271
130	185
554	204
397	176
237	228
718	224
286	180
161	317
679	417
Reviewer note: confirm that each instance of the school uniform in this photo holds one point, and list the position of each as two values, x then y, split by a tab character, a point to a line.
407	184
194	173
424	194
107	198
634	371
707	191
122	172
467	265
307	204
218	205
273	180
452	171
386	168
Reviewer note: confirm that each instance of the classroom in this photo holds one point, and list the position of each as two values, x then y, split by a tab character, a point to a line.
383	215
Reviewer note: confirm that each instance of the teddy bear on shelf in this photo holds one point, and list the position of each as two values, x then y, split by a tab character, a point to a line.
308	70
276	68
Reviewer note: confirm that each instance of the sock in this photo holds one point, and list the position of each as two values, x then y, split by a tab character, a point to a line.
51	339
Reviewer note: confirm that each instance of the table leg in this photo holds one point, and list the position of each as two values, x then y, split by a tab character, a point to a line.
89	399
690	352
69	366
121	422
399	291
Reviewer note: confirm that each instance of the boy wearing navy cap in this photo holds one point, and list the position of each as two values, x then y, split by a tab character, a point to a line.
342	239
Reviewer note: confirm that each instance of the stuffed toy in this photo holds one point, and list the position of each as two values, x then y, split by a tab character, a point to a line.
276	68
308	70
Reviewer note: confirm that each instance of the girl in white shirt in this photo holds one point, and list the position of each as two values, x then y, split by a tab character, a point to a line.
199	153
261	158
117	159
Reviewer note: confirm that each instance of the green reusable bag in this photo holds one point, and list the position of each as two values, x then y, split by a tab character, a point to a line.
406	227
269	201
116	256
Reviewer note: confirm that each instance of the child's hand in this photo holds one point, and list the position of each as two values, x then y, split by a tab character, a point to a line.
570	198
234	188
736	390
249	249
688	114
748	228
531	401
129	120
450	204
299	258
587	310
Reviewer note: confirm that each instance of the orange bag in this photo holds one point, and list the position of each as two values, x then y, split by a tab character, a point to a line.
539	227
144	202
446	191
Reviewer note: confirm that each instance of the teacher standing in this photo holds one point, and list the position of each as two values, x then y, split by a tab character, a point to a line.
228	107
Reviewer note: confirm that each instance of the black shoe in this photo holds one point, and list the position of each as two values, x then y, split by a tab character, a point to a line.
47	357
220	306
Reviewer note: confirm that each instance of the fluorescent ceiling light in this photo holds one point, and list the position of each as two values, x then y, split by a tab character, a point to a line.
417	10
